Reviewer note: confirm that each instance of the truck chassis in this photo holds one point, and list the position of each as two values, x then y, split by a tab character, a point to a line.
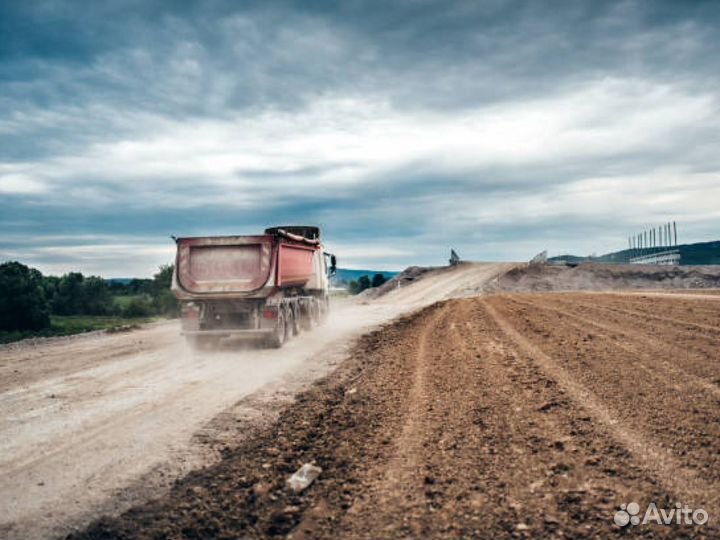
271	323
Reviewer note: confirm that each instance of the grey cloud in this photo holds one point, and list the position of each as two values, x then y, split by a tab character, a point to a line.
74	78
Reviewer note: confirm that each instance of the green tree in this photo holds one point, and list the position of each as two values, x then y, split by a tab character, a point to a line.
163	278
22	298
164	300
50	286
69	296
141	286
78	295
118	288
96	297
364	283
378	279
356	287
139	306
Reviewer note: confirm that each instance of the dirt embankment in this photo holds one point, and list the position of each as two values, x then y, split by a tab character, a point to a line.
470	279
595	277
403	279
509	416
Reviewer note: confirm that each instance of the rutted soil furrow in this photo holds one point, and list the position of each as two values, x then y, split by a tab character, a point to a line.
395	487
692	349
649	353
567	471
681	309
397	496
681	432
711	331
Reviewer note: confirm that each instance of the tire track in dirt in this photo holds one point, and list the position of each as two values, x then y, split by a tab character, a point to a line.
645	315
470	436
652	351
694	350
684	423
679	307
671	473
83	435
564	475
398	488
700	294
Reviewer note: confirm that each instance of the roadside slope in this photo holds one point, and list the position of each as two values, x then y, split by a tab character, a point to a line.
598	277
465	279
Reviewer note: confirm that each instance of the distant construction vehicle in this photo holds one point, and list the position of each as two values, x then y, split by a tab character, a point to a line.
264	288
454	258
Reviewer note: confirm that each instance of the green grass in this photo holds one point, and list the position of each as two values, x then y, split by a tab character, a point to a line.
122	300
73	324
76	324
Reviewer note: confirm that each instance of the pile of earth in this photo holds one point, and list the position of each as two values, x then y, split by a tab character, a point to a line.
593	276
405	277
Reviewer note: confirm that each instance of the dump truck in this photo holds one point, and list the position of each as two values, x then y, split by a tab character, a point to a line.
265	288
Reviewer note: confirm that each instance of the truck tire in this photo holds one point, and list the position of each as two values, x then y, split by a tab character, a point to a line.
309	317
277	338
289	323
297	317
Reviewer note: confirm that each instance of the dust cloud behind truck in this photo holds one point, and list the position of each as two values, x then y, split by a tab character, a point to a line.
265	288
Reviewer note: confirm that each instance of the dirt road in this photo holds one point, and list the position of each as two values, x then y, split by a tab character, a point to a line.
93	424
506	416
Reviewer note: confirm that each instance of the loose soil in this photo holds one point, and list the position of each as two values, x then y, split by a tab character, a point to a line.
598	277
505	416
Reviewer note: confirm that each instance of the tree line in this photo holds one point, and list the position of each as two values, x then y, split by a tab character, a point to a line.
364	282
28	298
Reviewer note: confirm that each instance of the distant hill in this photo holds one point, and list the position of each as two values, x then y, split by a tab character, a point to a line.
346	275
118	280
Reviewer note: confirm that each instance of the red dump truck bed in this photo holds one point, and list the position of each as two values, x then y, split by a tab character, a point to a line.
243	264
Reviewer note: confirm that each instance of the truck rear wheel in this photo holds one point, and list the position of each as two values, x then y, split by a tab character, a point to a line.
289	323
297	316
309	316
277	338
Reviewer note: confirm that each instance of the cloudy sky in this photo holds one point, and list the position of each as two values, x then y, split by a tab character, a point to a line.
402	128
